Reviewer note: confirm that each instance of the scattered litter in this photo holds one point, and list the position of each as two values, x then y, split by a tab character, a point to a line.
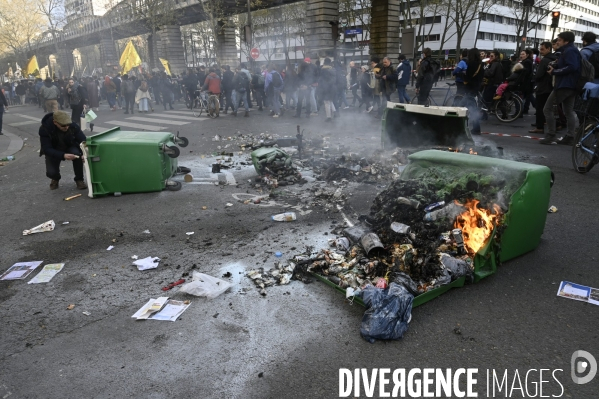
204	208
172	285
72	197
48	226
20	270
204	285
278	254
71	306
216	138
284	217
190	233
552	209
387	312
229	204
279	275
134	257
47	273
162	308
146	232
65	222
188	178
110	248
86	313
147	263
578	292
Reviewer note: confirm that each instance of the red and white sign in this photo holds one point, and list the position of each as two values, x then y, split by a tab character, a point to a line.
255	53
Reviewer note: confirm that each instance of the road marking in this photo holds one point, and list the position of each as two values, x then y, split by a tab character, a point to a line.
512	135
178	117
180	112
144	119
23	123
39	120
136	125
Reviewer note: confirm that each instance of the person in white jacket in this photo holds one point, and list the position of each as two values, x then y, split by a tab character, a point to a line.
143	99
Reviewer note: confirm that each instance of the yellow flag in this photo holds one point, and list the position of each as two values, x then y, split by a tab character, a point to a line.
129	59
165	65
32	68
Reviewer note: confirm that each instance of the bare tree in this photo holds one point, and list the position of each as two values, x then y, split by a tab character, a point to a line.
357	13
540	10
17	28
462	13
54	13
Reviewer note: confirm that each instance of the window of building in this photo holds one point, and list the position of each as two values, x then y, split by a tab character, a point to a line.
498	19
490	17
488	36
505	38
498	37
480	35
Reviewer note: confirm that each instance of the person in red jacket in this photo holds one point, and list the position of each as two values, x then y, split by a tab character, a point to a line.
212	82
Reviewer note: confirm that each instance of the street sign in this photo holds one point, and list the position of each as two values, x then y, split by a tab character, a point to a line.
355	31
255	53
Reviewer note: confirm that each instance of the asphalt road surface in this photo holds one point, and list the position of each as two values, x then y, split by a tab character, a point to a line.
293	342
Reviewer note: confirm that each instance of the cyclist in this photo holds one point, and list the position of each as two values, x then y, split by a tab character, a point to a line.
212	82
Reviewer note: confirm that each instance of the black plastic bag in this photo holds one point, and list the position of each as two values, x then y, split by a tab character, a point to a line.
403	279
387	312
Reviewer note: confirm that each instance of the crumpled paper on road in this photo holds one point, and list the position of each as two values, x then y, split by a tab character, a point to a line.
48	226
147	263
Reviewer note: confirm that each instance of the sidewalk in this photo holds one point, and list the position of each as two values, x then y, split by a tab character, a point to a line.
10	143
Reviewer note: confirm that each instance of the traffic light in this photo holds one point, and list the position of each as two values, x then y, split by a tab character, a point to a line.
555	19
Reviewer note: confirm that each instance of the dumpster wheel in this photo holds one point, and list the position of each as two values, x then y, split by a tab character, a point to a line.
172	151
173	185
182	141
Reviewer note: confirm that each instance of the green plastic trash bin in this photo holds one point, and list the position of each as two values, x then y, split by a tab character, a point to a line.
265	153
523	223
119	161
410	125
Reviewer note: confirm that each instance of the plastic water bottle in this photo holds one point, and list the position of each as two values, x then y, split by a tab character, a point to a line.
450	211
8	158
284	217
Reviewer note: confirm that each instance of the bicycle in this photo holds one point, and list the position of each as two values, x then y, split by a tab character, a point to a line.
201	103
584	150
504	109
450	98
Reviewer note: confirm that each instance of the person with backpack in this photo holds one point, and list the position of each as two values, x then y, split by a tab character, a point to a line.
273	84
128	91
426	76
327	88
387	78
354	84
472	82
257	86
403	72
227	83
303	93
365	88
590	52
567	72
76	97
241	85
544	83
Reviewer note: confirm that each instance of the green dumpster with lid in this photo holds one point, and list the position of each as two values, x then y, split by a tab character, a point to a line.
119	161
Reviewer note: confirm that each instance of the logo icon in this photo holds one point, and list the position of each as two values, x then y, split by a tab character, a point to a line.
583	362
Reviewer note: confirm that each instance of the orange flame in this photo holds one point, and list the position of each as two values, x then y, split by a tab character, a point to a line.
477	224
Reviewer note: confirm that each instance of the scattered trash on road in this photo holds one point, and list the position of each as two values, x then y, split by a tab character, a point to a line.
147	263
47	273
71	306
228	204
204	208
190	233
134	257
65	222
110	248
578	292
172	285
162	308
72	197
48	226
188	178
86	313
20	270
204	285
284	217
146	232
552	209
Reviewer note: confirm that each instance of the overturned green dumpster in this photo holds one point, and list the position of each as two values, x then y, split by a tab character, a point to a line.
410	125
119	161
450	219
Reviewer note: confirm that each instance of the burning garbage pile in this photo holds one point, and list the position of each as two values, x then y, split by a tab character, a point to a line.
375	169
275	167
